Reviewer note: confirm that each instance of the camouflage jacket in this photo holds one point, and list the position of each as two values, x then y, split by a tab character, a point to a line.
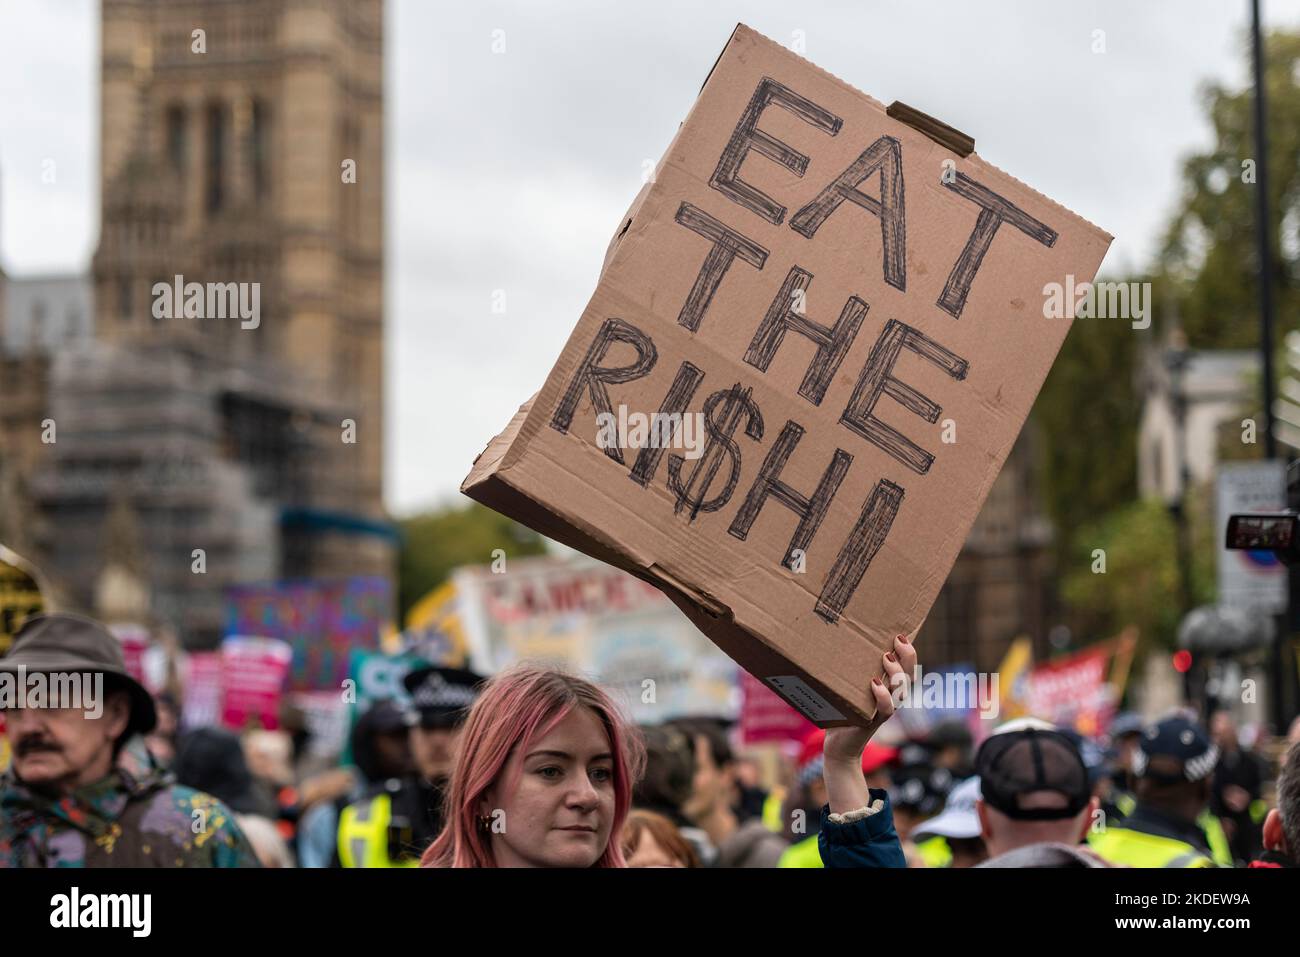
135	817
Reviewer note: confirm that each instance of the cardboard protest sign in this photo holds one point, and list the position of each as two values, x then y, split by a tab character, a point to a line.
814	340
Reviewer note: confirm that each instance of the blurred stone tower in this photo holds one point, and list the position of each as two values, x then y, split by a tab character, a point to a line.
241	148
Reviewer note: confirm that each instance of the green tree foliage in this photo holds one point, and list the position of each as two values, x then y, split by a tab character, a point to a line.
1208	263
434	543
1206	275
1141	583
1087	414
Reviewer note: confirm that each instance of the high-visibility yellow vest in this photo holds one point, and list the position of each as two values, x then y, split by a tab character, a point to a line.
804	854
363	834
1122	845
1220	850
935	851
1258	809
772	805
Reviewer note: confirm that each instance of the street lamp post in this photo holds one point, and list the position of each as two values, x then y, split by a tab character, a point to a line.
1176	358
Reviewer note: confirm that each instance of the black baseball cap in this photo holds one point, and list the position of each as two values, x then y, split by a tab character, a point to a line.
1026	756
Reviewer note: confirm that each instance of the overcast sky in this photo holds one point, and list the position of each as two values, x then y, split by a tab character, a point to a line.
499	180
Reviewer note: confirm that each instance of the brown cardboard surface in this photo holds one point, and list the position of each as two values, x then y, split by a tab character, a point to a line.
904	297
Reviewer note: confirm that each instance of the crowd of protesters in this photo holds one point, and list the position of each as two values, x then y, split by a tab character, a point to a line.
537	767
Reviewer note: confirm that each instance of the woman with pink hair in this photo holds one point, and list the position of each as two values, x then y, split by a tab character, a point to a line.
543	776
546	764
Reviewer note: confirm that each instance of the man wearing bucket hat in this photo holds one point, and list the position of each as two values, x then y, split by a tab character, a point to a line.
71	798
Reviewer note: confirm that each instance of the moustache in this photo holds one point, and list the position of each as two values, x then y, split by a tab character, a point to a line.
31	745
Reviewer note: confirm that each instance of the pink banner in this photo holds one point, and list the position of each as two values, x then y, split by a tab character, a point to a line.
1073	691
135	642
253	673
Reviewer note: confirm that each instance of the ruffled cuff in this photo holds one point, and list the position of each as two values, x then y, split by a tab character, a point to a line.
849	817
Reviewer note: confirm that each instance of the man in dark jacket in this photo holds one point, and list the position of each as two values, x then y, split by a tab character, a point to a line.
80	793
1236	798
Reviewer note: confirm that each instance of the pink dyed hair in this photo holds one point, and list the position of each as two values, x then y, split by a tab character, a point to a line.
517	706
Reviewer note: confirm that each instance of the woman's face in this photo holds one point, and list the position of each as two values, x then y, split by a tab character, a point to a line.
561	808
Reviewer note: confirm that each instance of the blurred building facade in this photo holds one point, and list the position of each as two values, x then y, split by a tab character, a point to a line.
197	445
1188	398
41	313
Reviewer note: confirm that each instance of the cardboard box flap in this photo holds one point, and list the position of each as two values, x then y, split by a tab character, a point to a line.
494	455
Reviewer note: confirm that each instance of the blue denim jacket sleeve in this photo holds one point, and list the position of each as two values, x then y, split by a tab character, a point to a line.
869	841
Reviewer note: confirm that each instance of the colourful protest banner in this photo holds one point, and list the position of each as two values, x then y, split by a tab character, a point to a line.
323	622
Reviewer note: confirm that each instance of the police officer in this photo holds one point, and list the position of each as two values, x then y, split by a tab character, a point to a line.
1170	827
1125	738
380	751
393	824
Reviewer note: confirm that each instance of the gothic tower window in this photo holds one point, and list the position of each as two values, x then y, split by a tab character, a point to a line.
38	325
258	150
124	298
216	159
176	145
